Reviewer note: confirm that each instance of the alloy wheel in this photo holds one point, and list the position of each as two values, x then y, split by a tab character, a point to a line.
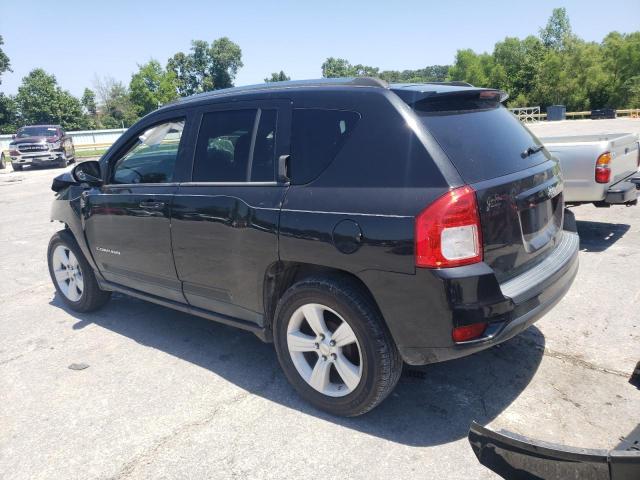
324	349
68	273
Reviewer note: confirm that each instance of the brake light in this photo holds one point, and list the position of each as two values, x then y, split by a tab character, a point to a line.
468	332
448	231
603	168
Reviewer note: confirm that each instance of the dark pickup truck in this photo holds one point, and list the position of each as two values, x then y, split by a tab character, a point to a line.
41	145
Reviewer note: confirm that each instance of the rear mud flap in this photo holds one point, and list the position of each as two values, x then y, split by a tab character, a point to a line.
516	457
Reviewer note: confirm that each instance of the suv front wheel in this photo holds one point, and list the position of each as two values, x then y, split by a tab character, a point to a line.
72	275
334	348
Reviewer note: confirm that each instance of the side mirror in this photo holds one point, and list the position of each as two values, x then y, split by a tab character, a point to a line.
88	172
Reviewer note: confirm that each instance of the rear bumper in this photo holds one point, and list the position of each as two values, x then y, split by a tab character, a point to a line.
421	312
624	192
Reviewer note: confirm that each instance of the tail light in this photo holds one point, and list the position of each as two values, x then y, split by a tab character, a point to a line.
468	332
603	168
448	231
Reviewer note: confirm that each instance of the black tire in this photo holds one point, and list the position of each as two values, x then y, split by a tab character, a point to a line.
16	168
92	298
62	163
381	361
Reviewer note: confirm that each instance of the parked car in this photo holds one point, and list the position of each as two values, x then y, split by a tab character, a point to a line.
41	145
353	223
598	169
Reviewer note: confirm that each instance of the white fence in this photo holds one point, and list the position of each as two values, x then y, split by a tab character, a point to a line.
82	139
527	114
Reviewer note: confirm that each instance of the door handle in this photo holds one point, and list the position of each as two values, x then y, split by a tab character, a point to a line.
151	205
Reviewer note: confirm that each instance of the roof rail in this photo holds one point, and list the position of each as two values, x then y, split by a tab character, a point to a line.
455	83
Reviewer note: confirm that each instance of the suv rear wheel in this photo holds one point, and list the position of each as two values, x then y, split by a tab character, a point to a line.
334	348
72	275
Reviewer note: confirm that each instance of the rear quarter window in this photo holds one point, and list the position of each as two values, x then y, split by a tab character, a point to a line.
482	140
316	138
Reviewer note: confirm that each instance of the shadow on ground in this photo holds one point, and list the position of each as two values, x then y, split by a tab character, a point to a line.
431	405
598	236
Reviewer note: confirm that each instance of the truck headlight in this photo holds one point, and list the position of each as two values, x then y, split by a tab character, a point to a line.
55	145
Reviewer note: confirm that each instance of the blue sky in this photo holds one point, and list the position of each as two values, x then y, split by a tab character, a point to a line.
76	40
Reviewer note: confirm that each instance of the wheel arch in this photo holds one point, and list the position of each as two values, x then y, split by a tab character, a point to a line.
281	275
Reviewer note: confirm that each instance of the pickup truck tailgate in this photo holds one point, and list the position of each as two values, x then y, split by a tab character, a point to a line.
578	156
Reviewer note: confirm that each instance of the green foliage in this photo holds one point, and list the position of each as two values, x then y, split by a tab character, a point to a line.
88	101
152	86
207	67
115	108
8	114
339	67
557	32
277	77
41	100
5	65
558	68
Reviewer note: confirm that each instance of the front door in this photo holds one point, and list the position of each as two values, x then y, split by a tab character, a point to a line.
225	221
128	219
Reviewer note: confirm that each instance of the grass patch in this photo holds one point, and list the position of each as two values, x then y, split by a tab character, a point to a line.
93	152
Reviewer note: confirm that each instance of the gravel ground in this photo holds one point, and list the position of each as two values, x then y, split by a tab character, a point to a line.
167	395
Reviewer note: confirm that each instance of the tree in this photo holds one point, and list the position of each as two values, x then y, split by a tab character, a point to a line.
88	101
207	67
115	108
152	86
8	114
5	65
41	100
277	77
557	31
336	68
472	67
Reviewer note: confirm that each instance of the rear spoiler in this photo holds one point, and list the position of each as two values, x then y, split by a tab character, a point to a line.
514	456
414	96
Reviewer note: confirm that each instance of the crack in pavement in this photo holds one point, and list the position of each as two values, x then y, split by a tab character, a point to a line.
578	362
146	457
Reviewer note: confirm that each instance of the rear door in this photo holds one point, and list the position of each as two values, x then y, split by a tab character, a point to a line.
518	184
127	224
225	220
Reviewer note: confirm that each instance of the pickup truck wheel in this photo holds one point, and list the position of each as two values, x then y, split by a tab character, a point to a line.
16	168
334	348
62	163
72	275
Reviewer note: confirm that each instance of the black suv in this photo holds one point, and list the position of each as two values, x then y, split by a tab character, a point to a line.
353	223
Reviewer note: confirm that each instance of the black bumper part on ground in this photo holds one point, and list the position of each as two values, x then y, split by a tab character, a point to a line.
516	457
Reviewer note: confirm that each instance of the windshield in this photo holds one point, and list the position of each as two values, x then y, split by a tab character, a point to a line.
37	132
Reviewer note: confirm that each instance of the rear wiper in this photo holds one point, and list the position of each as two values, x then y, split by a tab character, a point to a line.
531	150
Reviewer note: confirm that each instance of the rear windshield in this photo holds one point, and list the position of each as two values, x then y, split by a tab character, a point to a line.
482	139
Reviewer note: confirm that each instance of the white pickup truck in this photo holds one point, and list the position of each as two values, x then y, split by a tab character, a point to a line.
598	169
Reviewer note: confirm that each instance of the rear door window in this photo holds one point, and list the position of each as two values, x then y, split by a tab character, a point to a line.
227	151
482	139
222	150
316	138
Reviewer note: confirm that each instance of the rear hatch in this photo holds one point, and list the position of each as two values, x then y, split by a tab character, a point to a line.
518	184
